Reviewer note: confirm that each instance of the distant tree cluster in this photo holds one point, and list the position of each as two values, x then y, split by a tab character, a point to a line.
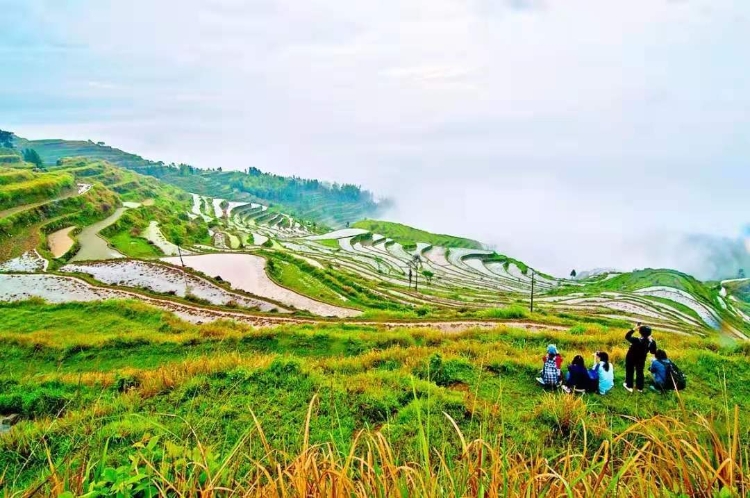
32	156
6	139
341	201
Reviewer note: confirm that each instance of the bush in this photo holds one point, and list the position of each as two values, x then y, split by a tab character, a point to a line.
564	414
510	313
446	372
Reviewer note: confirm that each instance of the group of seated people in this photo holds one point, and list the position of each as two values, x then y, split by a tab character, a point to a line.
600	377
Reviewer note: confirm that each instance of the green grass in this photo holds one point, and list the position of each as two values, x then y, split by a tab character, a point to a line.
408	236
115	373
329	243
38	187
9	175
511	312
133	246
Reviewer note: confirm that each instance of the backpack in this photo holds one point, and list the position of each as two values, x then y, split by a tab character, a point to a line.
675	378
549	372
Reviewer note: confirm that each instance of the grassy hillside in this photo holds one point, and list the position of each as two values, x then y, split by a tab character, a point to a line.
114	388
408	236
118	397
37	203
10	157
34	204
327	204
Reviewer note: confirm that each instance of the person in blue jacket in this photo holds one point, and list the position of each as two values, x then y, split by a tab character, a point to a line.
604	371
660	370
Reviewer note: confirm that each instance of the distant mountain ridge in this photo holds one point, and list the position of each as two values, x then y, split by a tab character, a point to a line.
328	204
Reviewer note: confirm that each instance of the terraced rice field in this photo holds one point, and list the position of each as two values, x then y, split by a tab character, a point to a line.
247	272
165	279
422	275
28	262
93	247
153	234
60	241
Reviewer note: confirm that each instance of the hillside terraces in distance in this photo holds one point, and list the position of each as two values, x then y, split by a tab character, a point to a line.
90	193
325	204
114	214
408	236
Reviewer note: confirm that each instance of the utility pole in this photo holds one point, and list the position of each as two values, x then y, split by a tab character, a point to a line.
533	275
417	262
414	263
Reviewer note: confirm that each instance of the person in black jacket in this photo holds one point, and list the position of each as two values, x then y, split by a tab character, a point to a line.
635	360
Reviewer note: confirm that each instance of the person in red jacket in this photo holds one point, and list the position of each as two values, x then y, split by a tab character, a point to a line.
635	360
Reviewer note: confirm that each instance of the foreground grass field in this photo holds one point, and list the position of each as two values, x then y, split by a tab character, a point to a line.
117	396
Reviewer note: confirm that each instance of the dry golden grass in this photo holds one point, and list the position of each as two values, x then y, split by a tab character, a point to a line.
659	456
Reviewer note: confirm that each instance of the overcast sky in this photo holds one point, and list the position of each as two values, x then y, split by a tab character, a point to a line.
566	133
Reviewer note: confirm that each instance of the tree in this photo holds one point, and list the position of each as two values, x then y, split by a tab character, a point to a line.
741	273
6	139
32	156
573	274
428	275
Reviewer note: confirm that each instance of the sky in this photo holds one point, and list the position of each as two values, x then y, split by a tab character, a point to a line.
566	133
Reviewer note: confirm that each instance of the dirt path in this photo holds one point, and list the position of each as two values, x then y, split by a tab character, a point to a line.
80	189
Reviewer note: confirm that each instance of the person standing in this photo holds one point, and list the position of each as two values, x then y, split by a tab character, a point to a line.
635	360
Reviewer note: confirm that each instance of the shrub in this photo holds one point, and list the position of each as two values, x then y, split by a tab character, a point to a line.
564	414
446	372
510	313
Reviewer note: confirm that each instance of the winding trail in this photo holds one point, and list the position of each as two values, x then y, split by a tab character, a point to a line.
81	189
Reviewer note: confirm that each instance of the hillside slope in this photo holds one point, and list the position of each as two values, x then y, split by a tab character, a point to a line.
141	399
409	236
327	204
84	209
147	332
